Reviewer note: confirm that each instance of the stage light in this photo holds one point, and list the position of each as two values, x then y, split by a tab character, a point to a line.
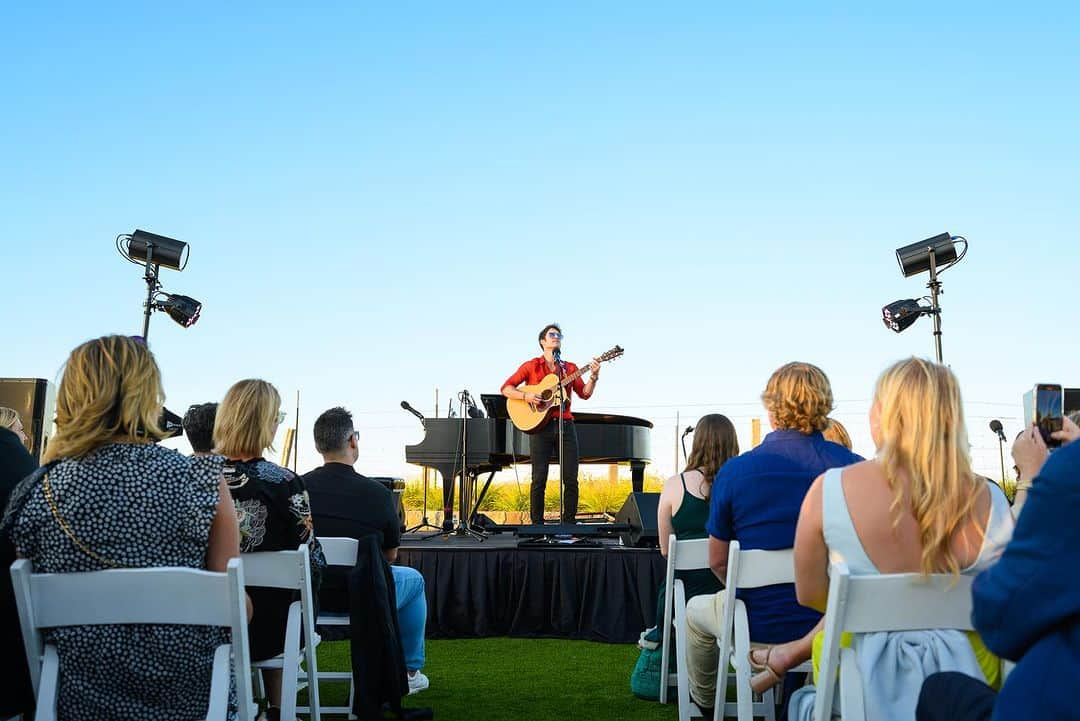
154	252
144	247
899	315
915	258
936	255
181	308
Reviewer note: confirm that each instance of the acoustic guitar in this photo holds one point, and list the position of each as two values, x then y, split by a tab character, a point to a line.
531	417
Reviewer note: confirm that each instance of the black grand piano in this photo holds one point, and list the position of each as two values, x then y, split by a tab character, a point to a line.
493	443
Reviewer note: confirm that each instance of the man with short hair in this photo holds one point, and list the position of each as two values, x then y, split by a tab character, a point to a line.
347	504
755	500
199	428
542	442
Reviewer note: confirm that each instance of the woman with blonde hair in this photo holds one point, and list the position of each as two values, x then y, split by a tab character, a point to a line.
272	507
917	507
836	433
9	418
109	497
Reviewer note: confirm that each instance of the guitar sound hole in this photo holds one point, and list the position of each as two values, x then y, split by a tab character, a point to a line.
547	395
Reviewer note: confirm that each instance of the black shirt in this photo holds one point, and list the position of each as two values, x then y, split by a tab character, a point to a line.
15	464
349	505
345	503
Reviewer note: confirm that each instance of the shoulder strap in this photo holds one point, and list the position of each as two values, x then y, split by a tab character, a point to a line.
683	479
840	535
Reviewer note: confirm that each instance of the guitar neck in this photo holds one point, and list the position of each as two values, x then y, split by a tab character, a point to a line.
567	380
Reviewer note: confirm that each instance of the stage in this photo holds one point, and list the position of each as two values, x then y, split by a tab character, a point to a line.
495	588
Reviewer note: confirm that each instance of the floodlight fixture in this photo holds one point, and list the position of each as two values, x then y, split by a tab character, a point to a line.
153	251
144	247
899	315
181	308
936	255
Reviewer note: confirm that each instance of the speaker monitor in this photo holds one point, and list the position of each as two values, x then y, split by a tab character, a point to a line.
639	512
34	399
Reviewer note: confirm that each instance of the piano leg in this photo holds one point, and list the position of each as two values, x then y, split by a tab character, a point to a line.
448	502
637	475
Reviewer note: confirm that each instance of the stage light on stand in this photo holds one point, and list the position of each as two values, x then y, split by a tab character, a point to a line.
935	255
181	308
899	315
153	251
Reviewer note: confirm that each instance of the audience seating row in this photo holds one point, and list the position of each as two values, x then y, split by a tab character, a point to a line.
857	604
186	596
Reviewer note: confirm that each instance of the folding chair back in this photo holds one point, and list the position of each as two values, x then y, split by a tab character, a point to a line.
688	555
289	570
746	569
181	596
339	551
892	602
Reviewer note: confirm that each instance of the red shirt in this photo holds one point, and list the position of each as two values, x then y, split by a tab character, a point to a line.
533	371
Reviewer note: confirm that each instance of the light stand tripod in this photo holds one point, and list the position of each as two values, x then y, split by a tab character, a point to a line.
424	522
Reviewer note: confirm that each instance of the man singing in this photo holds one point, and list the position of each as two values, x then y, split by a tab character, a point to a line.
542	442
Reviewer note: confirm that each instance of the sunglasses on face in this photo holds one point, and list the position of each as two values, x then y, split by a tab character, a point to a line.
553	334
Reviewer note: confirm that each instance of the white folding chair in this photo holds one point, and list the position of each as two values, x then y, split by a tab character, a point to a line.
338	552
893	602
747	569
682	556
182	596
289	570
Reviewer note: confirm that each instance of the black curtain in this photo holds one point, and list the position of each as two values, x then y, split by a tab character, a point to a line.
597	594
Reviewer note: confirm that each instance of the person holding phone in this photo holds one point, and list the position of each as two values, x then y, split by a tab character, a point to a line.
1030	452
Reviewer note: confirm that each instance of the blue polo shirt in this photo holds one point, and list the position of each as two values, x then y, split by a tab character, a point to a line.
755	500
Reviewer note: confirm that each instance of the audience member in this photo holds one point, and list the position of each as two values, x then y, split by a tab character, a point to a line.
272	508
9	419
836	433
755	500
199	428
1030	452
108	497
345	503
684	507
15	464
1027	609
917	507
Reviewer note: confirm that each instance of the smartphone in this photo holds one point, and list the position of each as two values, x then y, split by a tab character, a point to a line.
1046	403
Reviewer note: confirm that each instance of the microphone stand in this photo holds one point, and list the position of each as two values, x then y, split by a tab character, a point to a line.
1001	454
562	446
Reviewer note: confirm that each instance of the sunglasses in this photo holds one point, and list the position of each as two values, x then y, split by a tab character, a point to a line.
281	417
556	336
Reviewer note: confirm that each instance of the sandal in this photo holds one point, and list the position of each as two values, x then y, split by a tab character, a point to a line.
767	676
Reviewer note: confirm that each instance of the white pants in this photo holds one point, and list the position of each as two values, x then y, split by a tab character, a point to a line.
704	622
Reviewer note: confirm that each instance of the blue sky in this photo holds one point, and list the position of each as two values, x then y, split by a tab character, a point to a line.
383	200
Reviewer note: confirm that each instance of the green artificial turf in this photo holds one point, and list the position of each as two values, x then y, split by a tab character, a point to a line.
491	679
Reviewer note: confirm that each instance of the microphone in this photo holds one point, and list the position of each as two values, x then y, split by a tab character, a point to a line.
688	431
410	409
995	426
557	355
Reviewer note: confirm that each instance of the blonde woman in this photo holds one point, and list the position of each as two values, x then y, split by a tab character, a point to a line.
108	497
272	508
916	507
9	418
836	433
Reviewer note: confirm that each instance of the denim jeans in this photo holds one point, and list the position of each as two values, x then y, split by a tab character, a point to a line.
412	614
541	445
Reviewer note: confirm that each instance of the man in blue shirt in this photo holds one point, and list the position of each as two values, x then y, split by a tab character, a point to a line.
756	499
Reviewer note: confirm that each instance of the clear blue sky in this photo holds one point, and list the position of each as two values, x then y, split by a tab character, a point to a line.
387	199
